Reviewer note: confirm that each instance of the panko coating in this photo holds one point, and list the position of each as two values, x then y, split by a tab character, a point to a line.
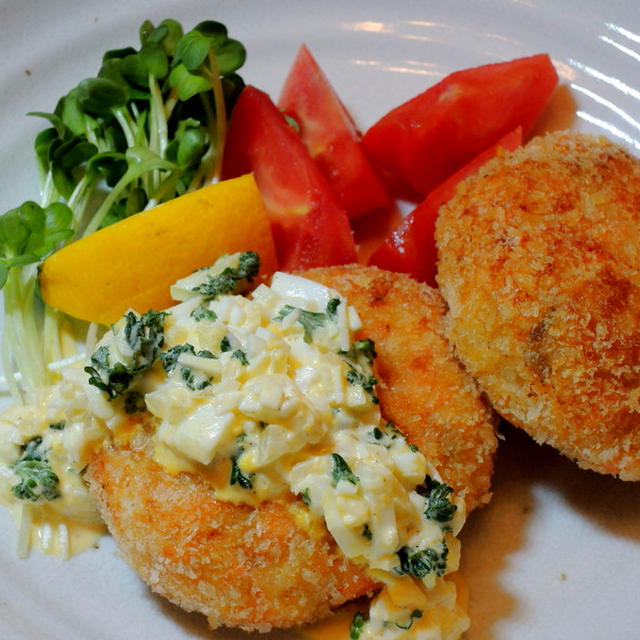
539	262
270	567
251	568
421	386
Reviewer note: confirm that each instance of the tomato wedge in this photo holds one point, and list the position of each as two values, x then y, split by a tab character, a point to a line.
330	135
411	247
417	145
310	228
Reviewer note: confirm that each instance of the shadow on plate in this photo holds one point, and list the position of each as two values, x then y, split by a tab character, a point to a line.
484	554
495	533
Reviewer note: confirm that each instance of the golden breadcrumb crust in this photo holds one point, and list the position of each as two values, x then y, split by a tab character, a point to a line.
241	567
422	388
263	568
539	262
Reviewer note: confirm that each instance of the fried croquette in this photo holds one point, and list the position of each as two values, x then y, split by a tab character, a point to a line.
539	262
266	567
251	568
421	386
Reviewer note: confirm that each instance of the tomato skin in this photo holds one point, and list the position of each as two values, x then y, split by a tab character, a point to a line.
411	246
421	142
330	135
310	228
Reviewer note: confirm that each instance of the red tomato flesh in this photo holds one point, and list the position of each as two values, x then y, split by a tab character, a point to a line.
411	247
310	228
417	145
330	135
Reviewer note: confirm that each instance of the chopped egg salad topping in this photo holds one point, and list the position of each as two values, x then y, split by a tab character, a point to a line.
44	447
263	395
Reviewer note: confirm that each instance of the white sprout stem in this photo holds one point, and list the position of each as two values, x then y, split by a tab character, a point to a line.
64	541
19	328
31	330
158	124
78	202
11	377
91	338
48	193
125	122
25	520
221	112
51	331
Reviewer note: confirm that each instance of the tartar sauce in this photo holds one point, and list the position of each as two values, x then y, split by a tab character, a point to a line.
264	394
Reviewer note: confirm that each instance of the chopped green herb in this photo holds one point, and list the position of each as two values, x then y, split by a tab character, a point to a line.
134	402
421	562
439	506
357	625
195	380
341	471
202	312
58	426
170	357
392	430
237	476
360	358
306	497
225	344
415	614
113	380
144	336
231	280
332	307
361	349
310	320
385	436
368	383
366	532
37	479
240	355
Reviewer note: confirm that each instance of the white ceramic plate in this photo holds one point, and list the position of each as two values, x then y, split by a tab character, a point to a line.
557	553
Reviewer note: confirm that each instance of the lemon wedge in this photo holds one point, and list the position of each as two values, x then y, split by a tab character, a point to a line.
132	263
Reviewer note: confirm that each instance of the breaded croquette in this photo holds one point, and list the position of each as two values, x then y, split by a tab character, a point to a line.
273	566
539	262
422	388
255	569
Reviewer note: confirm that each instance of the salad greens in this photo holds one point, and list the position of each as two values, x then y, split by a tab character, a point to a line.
149	127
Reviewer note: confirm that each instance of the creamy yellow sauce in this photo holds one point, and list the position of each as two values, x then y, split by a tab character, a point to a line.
334	628
337	627
49	532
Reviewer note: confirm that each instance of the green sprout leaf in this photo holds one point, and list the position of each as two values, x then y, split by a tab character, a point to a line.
28	233
148	127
